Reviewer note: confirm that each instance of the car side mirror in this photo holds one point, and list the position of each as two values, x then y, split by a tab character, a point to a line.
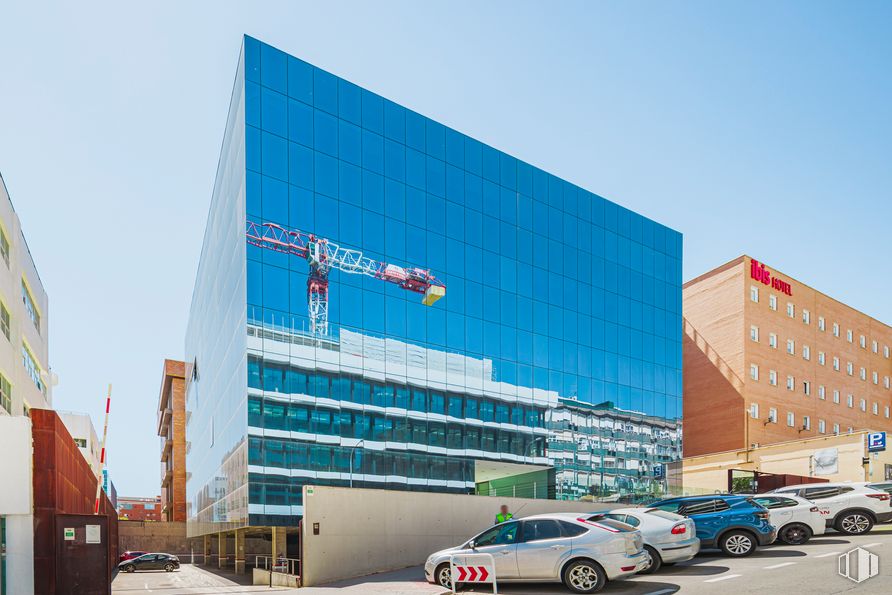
472	544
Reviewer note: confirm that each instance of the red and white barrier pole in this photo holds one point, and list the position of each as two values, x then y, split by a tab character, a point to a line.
102	456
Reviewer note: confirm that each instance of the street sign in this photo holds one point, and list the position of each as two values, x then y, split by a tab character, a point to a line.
659	471
465	569
472	574
876	441
69	533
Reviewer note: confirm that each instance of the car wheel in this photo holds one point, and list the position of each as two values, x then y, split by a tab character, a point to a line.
168	567
129	568
854	523
584	576
443	577
795	534
737	544
654	561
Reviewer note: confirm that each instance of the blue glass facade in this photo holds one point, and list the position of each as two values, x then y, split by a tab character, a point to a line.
559	331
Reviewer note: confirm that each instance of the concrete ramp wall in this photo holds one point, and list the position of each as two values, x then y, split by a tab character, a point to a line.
363	531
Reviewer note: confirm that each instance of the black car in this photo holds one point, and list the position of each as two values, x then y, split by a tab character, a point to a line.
166	562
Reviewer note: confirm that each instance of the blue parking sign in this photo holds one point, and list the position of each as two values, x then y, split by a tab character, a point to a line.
659	471
876	441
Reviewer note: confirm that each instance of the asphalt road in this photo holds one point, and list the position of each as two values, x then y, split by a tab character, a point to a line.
781	570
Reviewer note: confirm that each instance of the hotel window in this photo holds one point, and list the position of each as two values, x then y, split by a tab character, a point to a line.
850	368
754	371
791	383
821	324
821	359
875	346
886	381
754	293
772	377
6	394
772	340
806	316
754	333
862	340
4	320
850	400
836	429
791	346
886	351
862	373
886	411
791	419
30	307
791	310
772	415
4	246
754	410
835	329
772	302
806	352
849	335
822	427
836	363
806	387
850	430
862	404
876	378
822	393
31	367
876	408
806	422
836	397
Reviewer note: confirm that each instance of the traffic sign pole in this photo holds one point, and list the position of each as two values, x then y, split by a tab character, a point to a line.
102	456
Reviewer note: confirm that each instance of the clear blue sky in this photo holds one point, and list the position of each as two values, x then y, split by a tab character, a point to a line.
752	127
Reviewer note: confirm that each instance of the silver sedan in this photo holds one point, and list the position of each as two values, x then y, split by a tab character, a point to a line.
668	537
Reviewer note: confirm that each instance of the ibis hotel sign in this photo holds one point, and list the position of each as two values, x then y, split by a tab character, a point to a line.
760	273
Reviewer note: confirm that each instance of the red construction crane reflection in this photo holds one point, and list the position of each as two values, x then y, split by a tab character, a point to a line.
324	255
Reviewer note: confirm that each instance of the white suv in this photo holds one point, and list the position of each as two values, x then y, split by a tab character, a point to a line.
851	508
796	519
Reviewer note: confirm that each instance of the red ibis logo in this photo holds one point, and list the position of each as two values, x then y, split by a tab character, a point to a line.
760	273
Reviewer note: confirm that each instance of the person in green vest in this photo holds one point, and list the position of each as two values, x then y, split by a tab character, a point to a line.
503	515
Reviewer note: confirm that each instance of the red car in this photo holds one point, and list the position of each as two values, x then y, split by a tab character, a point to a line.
128	555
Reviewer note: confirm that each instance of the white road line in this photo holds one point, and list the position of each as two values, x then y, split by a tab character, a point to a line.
828	554
721	578
872	544
781	565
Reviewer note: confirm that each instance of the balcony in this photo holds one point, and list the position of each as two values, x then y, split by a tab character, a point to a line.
166	449
166	477
164	417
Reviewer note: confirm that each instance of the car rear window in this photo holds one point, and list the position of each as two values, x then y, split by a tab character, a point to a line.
572	529
669	516
600	519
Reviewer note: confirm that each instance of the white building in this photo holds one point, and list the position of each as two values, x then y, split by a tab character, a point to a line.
16	502
25	376
80	426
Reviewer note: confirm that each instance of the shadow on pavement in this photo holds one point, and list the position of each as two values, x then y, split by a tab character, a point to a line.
243	580
637	587
763	553
830	541
413	574
692	570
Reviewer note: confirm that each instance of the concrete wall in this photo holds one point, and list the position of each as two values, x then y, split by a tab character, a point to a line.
16	502
156	537
367	531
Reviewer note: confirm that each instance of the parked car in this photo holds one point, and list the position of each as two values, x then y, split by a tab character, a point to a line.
166	562
796	519
735	524
851	507
128	555
566	548
668	537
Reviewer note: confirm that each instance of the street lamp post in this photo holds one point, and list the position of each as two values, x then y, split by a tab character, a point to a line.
352	450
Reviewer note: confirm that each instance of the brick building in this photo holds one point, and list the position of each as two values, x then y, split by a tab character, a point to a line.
172	429
140	509
769	359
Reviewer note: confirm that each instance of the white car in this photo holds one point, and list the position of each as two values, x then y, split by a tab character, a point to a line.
668	537
851	507
550	548
796	519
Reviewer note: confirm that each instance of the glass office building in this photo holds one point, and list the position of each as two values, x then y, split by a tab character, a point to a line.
319	352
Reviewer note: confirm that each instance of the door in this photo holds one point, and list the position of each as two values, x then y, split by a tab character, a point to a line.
541	549
501	542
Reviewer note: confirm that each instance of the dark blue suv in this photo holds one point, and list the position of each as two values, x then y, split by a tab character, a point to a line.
736	524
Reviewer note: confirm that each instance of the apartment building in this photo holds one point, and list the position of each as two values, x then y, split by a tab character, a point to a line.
769	359
82	431
139	509
25	376
172	430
